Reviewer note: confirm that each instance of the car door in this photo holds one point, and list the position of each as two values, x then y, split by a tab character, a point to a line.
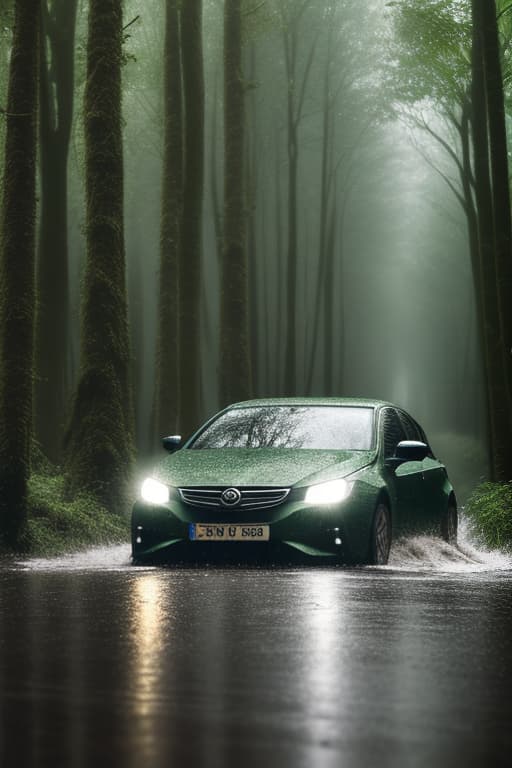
434	478
407	479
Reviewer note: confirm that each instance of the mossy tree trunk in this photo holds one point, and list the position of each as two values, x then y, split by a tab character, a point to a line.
56	117
498	393
6	25
100	434
190	260
17	285
502	219
167	375
235	358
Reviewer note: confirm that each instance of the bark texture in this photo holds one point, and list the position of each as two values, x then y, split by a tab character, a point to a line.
235	357
100	435
56	117
498	394
17	284
190	260
167	378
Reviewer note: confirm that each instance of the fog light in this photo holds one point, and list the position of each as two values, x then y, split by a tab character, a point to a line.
337	542
138	540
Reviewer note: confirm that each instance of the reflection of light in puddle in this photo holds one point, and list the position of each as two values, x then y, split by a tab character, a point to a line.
325	677
147	632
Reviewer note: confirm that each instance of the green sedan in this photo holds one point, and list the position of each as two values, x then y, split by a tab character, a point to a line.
307	478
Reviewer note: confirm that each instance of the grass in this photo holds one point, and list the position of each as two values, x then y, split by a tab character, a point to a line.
489	509
56	525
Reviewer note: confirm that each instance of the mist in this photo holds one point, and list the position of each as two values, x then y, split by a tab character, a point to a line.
402	318
384	300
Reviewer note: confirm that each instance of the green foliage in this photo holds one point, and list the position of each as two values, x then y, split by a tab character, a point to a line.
431	51
489	510
55	526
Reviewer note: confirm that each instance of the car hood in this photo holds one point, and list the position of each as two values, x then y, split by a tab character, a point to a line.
275	467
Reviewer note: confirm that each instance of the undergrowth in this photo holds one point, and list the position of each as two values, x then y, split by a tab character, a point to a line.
489	509
56	525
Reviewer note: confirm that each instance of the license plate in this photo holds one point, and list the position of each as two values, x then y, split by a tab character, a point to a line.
223	532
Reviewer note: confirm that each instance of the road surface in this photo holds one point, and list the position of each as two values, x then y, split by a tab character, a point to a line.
104	664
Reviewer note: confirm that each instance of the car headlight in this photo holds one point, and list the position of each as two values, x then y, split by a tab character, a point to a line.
331	492
154	492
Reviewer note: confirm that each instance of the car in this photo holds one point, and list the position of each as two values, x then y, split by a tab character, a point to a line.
319	479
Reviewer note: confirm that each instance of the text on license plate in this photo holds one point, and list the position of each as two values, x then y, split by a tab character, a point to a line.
224	532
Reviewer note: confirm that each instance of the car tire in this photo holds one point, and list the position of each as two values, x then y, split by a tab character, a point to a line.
380	536
449	523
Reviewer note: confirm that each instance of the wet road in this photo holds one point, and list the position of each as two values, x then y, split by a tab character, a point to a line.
409	665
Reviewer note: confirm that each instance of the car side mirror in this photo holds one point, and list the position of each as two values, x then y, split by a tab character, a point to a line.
408	450
172	443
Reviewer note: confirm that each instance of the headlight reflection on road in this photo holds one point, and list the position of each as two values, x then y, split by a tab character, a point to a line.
147	617
327	673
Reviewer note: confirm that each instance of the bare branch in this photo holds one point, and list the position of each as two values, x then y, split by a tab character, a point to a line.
131	22
255	9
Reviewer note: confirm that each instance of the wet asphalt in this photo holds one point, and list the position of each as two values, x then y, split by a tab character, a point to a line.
105	664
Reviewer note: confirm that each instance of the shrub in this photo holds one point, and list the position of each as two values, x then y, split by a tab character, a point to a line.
56	525
489	509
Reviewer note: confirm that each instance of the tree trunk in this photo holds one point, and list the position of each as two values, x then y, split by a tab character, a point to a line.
235	358
290	363
500	192
167	378
56	116
100	435
497	394
17	285
190	261
323	279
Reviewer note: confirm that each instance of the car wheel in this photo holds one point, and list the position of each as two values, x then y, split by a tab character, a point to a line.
380	538
449	523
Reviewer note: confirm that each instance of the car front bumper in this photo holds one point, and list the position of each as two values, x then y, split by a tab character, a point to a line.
337	532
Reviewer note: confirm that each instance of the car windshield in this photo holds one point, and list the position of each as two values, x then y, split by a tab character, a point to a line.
335	428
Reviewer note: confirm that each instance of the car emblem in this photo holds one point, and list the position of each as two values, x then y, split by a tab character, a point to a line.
230	497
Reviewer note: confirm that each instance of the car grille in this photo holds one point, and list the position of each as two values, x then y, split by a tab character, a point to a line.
250	498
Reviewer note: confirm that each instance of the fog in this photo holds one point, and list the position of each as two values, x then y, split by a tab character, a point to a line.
403	325
379	231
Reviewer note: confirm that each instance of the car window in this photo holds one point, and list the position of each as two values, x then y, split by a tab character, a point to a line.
393	431
412	429
317	427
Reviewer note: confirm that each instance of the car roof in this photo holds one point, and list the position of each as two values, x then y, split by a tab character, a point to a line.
355	402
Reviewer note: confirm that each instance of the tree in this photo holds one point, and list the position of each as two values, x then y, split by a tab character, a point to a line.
461	77
56	117
17	289
190	259
6	25
167	376
291	17
100	434
235	358
494	228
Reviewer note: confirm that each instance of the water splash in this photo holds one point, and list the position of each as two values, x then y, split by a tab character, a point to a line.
106	558
429	553
426	554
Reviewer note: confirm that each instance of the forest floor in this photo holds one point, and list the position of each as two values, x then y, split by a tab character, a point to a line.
56	525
